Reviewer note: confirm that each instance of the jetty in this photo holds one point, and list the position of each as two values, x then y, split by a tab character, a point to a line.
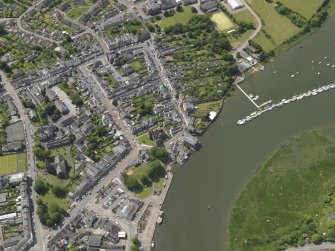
268	105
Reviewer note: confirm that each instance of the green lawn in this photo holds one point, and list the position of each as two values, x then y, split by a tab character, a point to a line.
148	190
144	139
13	163
178	18
222	21
306	8
266	43
49	197
204	108
292	195
77	12
278	26
245	16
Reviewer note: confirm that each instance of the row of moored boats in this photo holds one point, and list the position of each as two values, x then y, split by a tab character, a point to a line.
268	105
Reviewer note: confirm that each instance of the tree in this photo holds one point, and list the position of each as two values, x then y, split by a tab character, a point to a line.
156	171
194	10
40	187
180	8
145	181
101	131
132	184
316	238
160	153
60	192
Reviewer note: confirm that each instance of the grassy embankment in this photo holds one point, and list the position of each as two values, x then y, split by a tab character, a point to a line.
290	200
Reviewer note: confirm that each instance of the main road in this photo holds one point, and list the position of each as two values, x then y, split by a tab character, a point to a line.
29	135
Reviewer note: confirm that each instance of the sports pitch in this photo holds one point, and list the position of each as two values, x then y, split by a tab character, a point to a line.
13	163
222	21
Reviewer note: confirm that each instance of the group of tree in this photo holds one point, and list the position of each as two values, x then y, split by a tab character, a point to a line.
196	23
295	18
154	173
160	153
60	191
220	43
41	187
40	152
244	26
49	214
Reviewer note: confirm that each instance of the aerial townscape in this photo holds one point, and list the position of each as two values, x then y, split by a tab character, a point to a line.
131	125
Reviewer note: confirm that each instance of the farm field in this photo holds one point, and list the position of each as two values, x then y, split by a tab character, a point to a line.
178	18
13	163
290	197
278	26
306	8
245	16
222	21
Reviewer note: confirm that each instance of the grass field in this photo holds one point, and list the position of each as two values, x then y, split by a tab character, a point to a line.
222	21
13	163
144	139
77	12
306	8
278	26
266	43
178	18
293	194
245	16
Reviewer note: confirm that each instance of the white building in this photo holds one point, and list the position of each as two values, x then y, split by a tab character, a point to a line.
235	4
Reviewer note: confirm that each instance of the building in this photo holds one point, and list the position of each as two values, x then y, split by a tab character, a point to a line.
58	167
235	4
153	7
61	107
32	115
191	142
208	6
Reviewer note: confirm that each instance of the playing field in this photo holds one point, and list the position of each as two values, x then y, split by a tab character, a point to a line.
222	21
13	163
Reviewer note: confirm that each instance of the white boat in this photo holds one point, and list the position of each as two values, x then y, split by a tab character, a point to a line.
314	93
320	62
325	57
292	76
333	66
255	98
328	64
319	73
251	96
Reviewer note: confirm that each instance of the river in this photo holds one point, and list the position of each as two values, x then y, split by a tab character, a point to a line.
231	154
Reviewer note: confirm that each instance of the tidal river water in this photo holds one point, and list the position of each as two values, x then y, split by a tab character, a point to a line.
232	153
